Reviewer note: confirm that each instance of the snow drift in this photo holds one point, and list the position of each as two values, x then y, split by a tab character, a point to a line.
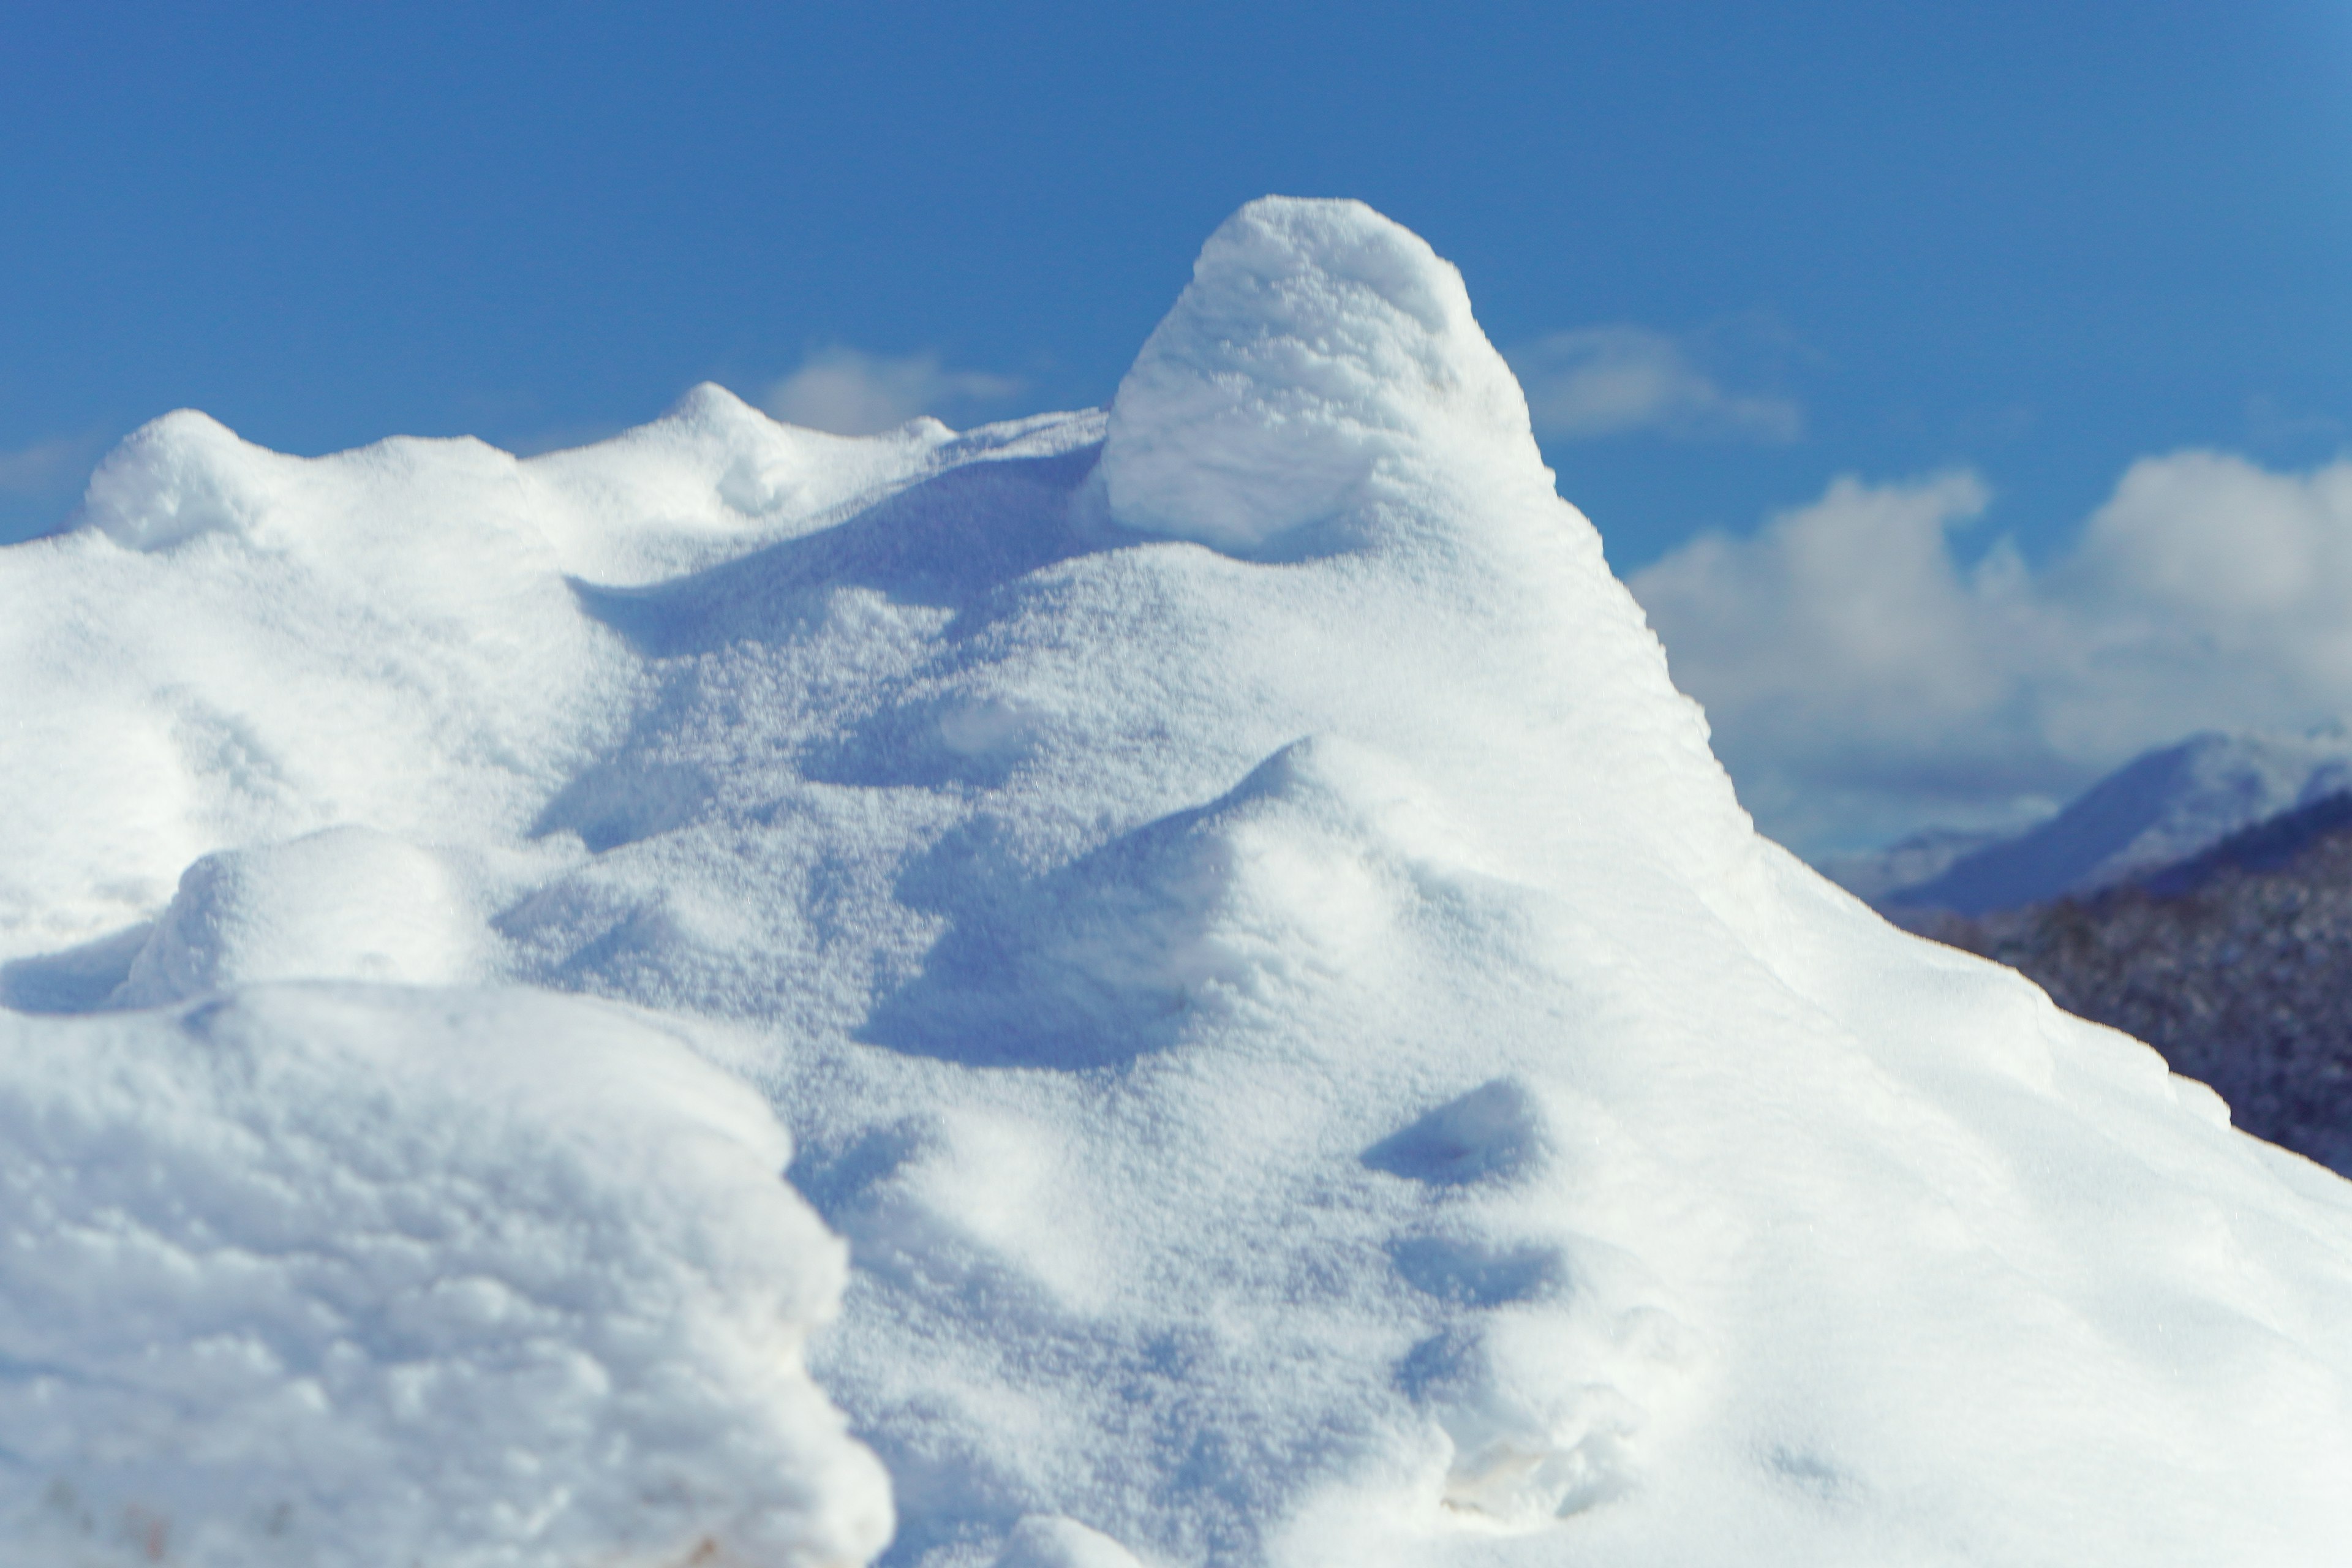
1311	1062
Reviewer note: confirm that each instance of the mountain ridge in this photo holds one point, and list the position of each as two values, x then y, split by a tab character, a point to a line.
2162	806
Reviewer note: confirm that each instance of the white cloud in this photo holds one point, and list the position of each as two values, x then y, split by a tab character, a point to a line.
41	467
1610	380
1861	682
851	392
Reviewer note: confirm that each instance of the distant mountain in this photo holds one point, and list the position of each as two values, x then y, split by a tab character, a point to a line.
2160	809
2236	964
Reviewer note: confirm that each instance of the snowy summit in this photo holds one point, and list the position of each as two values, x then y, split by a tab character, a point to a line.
2162	807
1220	913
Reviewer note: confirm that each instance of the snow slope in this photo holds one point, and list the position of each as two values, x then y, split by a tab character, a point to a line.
1311	1062
2157	809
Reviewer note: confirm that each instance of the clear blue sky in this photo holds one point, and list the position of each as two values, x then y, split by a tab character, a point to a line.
2040	239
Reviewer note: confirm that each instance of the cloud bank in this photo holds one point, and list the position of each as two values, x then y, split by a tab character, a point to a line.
38	483
43	467
1862	681
1618	380
851	392
35	468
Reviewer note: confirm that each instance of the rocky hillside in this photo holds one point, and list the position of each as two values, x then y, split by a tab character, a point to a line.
2237	965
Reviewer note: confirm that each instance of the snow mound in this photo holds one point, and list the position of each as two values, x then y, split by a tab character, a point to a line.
347	903
183	474
1311	1062
1321	355
354	1277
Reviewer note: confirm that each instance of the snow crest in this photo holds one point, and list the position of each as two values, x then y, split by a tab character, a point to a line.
1320	356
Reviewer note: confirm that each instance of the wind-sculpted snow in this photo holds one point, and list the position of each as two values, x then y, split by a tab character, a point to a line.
1323	361
1311	1062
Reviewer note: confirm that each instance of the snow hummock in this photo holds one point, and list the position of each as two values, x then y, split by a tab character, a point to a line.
344	903
1311	1061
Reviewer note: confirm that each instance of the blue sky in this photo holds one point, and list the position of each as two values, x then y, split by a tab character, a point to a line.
1737	250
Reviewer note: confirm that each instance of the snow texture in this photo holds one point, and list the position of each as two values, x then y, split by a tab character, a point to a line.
1311	1062
324	1276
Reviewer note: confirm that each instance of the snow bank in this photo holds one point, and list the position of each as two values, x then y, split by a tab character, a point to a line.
325	1277
1311	1062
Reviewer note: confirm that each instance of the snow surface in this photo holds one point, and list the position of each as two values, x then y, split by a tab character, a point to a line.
2156	810
1311	1062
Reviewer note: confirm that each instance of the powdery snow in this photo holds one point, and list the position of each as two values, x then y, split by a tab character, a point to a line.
1311	1062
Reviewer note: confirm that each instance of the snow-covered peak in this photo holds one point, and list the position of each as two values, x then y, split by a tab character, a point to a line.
1320	354
2160	807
